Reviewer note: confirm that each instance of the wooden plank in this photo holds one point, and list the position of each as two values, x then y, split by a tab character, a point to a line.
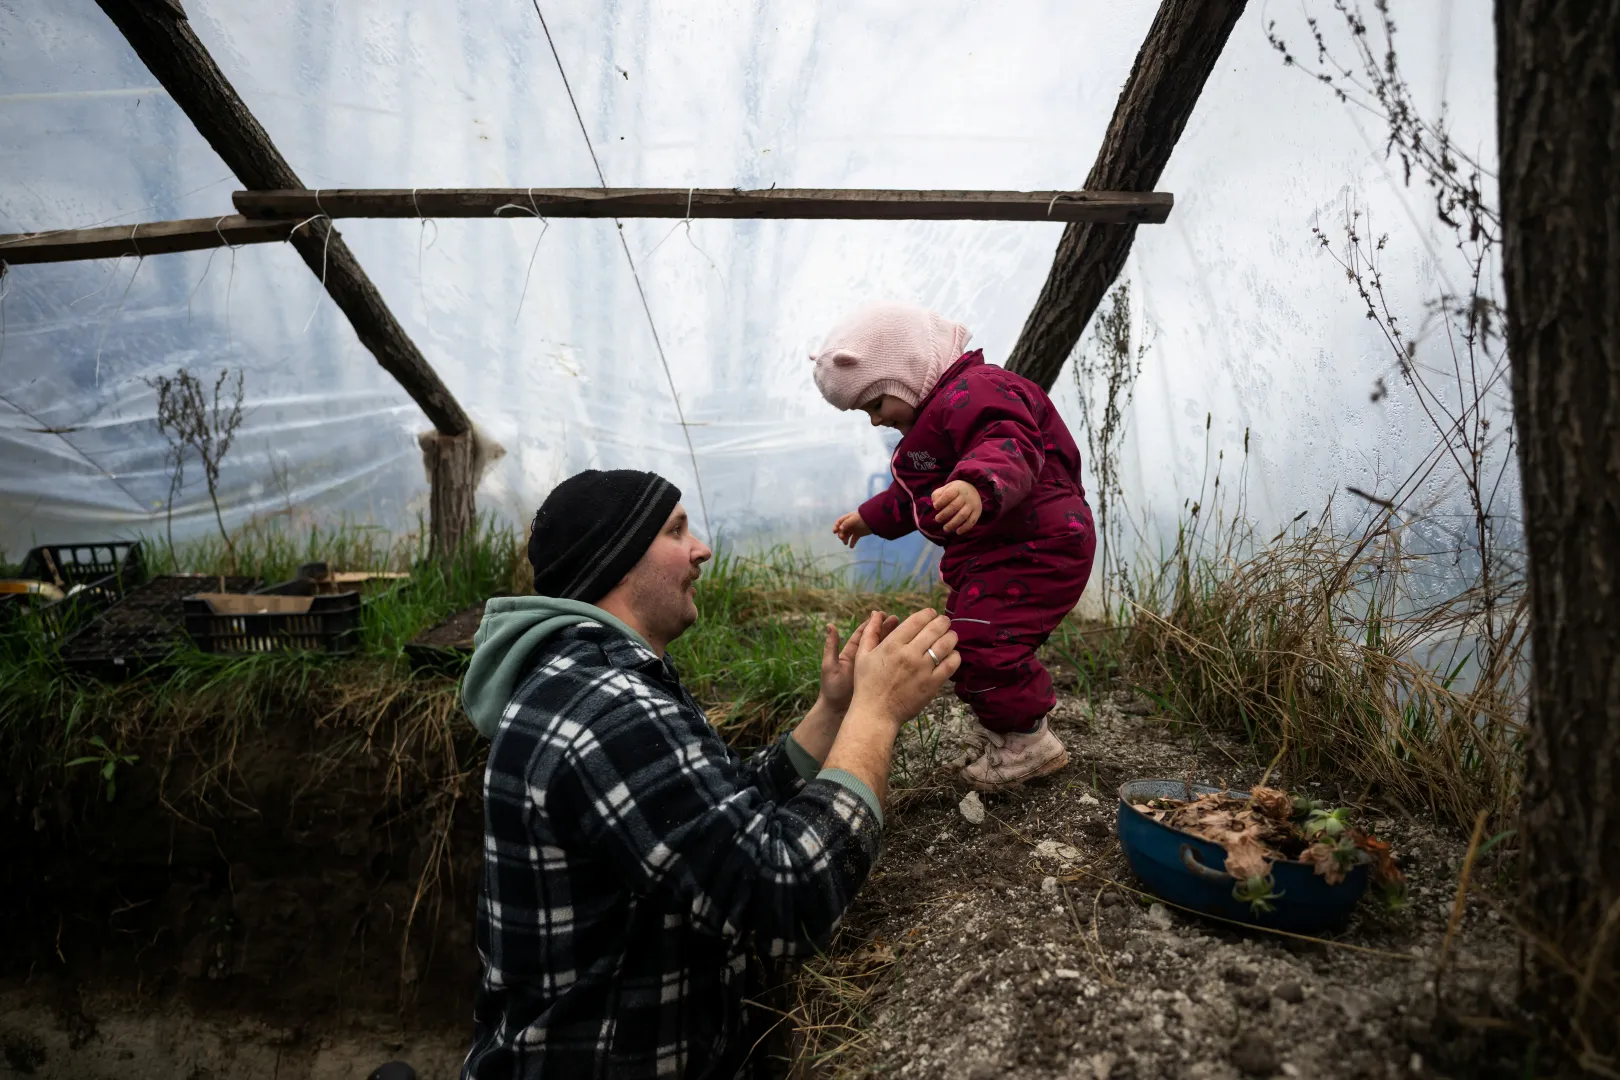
1103	207
166	43
146	238
1175	60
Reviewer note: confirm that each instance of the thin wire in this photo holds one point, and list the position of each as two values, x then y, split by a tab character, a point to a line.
207	266
45	428
545	227
680	414
5	291
230	340
421	235
139	259
326	243
687	223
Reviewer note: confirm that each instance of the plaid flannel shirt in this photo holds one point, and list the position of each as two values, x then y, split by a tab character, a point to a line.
631	865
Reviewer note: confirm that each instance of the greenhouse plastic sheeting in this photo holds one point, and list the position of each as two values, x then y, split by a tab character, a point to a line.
539	329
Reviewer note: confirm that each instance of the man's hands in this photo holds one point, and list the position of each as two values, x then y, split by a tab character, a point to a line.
850	528
838	663
957	506
897	674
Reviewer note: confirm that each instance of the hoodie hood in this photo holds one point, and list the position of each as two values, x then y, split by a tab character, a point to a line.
509	636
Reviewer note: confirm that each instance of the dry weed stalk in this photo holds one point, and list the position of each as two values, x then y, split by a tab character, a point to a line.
832	994
1105	374
1314	644
189	422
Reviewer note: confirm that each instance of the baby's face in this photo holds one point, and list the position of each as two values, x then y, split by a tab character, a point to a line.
889	411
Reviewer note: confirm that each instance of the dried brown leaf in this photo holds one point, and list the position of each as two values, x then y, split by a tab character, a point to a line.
1246	856
1325	861
1384	870
1272	803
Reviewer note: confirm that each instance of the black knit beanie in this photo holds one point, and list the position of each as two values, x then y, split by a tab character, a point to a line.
593	528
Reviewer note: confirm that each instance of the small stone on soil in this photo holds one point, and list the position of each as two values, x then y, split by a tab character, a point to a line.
1253	998
1255	1057
1240	976
972	808
1291	992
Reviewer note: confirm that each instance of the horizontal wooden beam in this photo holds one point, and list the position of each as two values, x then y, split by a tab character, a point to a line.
1099	207
269	216
146	238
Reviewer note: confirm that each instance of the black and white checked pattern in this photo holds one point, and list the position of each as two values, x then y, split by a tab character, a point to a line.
631	866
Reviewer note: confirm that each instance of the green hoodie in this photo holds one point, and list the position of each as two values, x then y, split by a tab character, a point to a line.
512	631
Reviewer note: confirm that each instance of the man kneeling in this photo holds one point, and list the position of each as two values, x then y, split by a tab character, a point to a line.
631	861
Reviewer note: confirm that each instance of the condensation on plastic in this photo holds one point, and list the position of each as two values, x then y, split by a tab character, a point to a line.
539	329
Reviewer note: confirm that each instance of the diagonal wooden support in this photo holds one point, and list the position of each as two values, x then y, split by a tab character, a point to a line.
1175	60
161	36
164	40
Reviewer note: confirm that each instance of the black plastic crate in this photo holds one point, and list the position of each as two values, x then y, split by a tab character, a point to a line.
96	576
142	629
274	621
66	565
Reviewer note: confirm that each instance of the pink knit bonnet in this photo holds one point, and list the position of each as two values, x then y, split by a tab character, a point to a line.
887	348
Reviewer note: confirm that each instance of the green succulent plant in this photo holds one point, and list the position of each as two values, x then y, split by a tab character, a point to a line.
1257	892
1329	824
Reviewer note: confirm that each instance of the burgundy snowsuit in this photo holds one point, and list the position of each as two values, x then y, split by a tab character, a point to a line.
1022	567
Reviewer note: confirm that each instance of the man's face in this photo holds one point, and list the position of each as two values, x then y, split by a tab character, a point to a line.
661	588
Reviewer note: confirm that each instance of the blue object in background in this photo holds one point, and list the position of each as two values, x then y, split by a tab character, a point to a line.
1191	873
910	560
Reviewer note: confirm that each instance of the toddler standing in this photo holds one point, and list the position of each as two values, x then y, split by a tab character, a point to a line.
987	469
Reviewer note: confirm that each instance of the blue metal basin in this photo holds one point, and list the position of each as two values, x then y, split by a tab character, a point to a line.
1185	870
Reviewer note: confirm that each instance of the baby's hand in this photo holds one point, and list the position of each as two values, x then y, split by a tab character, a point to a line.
957	506
850	528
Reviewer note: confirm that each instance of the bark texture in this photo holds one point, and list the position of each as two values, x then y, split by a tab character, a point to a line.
1558	114
1171	68
452	467
167	45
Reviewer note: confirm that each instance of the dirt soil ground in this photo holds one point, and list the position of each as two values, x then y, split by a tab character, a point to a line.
1019	947
1011	947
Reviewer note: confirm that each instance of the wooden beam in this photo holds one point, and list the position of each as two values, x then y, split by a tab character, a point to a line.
1175	60
1102	207
146	238
162	37
288	220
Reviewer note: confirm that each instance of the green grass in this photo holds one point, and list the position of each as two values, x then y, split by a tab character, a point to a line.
753	657
48	714
755	653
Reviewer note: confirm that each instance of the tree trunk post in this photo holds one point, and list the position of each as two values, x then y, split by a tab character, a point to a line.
451	462
1558	126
